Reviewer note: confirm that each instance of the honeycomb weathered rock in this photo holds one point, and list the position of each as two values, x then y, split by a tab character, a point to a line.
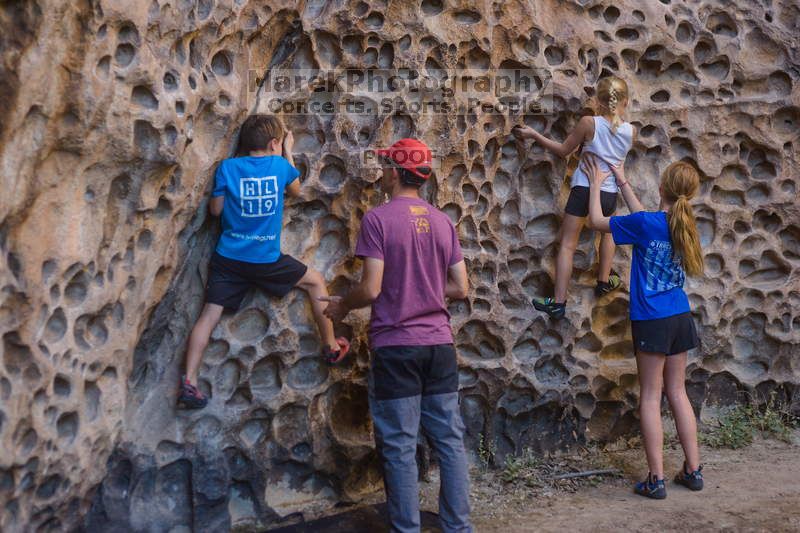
115	114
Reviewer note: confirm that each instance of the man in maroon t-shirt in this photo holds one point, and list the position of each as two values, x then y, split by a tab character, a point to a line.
412	262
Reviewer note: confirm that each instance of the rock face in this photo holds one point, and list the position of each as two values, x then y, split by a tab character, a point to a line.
114	116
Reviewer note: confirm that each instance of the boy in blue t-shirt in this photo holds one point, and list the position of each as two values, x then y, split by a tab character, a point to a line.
248	193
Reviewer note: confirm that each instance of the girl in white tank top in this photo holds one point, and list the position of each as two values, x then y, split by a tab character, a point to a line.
610	147
610	138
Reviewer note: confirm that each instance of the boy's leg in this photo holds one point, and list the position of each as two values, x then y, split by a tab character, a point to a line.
651	369
226	287
570	232
314	284
198	340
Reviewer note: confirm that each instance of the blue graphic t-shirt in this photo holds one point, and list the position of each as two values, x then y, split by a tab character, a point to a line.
656	275
252	216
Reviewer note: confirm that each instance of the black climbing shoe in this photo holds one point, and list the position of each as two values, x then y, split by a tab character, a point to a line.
651	488
333	357
549	306
604	287
189	396
692	481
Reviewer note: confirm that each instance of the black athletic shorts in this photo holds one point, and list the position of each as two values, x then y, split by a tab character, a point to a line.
229	279
578	202
403	371
670	335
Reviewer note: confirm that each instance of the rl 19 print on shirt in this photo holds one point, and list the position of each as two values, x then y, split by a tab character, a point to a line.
258	196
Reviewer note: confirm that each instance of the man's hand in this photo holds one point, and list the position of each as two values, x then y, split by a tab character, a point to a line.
592	168
336	309
522	132
288	143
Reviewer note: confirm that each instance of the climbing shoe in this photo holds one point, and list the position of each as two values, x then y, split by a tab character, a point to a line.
651	488
332	357
189	396
692	481
604	287
549	306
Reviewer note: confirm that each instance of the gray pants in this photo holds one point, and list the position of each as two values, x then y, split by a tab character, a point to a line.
396	424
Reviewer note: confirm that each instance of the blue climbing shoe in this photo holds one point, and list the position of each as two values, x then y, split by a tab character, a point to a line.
651	488
692	480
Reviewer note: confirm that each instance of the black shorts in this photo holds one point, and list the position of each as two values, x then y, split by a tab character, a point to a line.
578	202
671	335
403	371
229	279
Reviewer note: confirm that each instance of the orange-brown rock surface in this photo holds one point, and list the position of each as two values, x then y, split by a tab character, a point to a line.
114	114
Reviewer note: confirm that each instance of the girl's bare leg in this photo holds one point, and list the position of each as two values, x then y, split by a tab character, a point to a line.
685	422
607	249
651	368
570	232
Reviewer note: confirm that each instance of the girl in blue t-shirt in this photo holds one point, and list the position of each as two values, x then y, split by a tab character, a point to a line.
666	245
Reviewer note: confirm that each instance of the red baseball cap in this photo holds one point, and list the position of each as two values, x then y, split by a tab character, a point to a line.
410	154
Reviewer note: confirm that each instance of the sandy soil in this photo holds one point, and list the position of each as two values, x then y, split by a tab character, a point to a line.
752	489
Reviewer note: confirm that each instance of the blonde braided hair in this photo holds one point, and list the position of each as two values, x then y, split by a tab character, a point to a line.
612	99
611	91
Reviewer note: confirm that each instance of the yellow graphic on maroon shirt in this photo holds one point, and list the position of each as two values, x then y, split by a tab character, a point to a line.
422	225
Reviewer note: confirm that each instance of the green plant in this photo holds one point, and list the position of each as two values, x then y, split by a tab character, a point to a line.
736	428
486	451
732	430
518	467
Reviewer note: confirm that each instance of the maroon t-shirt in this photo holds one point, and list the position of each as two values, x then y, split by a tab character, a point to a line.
417	244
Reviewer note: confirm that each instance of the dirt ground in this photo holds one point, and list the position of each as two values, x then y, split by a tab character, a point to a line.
750	489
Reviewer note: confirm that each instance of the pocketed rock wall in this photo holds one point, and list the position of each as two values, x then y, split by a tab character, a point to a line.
114	116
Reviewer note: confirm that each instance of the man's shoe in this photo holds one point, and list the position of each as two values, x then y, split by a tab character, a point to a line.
604	287
189	396
548	305
651	488
692	481
333	357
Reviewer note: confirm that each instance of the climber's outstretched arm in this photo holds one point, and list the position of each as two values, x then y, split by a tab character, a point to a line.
584	130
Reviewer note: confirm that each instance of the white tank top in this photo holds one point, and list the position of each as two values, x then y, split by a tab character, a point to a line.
610	147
